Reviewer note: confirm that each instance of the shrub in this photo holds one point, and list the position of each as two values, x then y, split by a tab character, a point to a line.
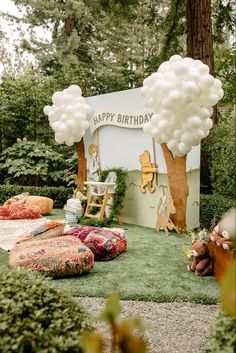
59	194
212	207
221	153
223	339
34	163
35	317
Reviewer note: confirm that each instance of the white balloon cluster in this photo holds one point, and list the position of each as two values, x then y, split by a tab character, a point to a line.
68	115
181	95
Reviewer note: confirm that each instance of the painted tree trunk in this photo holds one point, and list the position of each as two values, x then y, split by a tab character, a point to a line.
176	169
81	177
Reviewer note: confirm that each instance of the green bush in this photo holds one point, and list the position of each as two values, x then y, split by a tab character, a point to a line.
59	194
212	207
223	339
35	317
221	154
34	163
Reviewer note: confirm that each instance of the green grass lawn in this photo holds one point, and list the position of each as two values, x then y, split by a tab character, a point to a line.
151	269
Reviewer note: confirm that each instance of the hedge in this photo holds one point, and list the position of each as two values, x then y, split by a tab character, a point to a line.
223	339
59	194
212	208
36	317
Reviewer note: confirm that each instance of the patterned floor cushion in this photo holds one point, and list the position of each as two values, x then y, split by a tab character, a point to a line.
104	243
55	257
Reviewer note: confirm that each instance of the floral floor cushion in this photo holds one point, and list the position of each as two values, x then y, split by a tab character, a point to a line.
55	257
104	243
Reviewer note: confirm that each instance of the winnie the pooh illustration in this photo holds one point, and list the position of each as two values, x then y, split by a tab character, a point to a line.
147	172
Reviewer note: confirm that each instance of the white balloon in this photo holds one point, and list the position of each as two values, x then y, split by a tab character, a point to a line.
187	137
174	96
184	148
155	119
181	70
194	122
69	109
194	75
64	118
175	58
79	116
55	125
200	134
147	128
150	102
207	124
74	90
85	124
212	99
59	140
206	81
216	86
203	69
53	117
57	97
71	124
87	109
155	133
190	88
144	90
163	125
177	134
172	145
220	94
163	67
47	109
166	103
187	99
181	95
204	112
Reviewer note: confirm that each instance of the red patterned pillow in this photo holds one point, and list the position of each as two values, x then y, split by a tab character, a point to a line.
105	244
55	257
80	232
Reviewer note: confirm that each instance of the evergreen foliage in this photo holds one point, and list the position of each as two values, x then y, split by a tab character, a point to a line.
35	317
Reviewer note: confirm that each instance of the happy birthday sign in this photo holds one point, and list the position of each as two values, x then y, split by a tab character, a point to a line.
121	119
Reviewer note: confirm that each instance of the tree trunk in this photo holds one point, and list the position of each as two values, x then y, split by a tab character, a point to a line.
81	177
176	169
200	47
199	35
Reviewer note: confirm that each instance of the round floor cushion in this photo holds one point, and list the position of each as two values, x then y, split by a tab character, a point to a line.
55	257
105	244
44	203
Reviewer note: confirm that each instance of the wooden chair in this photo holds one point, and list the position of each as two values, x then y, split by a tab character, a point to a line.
99	195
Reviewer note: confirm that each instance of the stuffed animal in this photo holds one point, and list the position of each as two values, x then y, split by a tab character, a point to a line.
202	264
221	237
